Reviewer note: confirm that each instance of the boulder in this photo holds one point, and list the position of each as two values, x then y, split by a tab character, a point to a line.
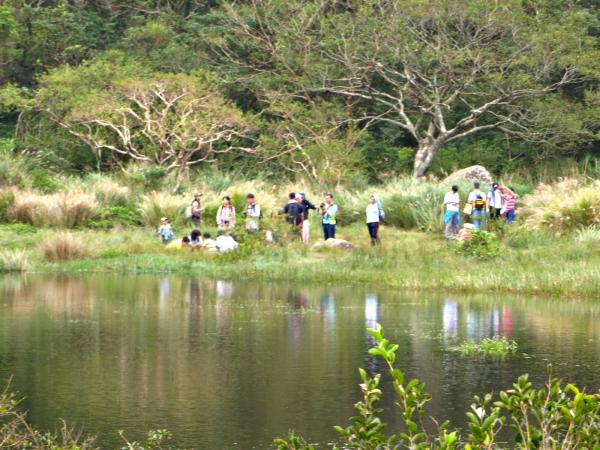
334	243
473	173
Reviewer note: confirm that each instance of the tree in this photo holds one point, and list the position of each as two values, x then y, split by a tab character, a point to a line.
175	121
441	71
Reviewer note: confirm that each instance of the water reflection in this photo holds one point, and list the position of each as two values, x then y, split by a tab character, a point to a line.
206	358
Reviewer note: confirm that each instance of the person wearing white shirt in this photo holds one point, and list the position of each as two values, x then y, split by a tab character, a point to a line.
452	215
373	220
226	243
494	201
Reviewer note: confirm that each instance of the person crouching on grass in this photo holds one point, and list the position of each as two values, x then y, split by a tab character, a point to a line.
452	215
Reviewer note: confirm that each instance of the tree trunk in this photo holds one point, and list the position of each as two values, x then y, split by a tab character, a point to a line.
425	155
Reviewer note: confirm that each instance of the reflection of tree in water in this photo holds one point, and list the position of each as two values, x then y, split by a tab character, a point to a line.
371	318
195	294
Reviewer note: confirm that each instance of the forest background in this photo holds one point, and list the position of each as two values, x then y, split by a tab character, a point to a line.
331	91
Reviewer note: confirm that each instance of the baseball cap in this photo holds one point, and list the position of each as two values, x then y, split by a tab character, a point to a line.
494	184
302	194
197	195
163	219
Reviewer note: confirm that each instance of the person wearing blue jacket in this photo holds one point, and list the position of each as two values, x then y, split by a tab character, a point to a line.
329	211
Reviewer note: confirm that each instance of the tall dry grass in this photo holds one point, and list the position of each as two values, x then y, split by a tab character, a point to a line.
564	207
62	210
13	261
155	205
63	247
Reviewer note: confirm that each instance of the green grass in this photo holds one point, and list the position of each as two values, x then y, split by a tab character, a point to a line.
530	262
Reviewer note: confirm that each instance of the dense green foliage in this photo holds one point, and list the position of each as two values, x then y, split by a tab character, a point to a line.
334	91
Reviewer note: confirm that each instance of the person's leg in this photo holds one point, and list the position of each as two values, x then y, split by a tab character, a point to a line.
326	231
510	215
305	232
376	232
332	232
371	229
478	219
454	225
448	228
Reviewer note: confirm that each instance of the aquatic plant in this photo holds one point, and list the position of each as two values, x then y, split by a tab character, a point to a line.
555	416
496	346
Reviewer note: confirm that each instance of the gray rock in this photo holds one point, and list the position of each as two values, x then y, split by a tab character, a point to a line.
473	173
333	243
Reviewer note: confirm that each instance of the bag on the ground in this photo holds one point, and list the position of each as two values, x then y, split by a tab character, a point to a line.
479	202
381	214
188	212
468	209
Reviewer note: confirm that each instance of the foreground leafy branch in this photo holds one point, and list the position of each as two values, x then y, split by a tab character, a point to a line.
550	418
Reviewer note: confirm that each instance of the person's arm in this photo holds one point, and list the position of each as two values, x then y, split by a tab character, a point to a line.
219	215
469	201
488	199
309	205
160	230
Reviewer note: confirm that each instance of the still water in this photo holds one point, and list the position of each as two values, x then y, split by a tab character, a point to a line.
233	365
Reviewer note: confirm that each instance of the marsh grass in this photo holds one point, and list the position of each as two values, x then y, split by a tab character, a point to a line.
64	246
14	261
62	210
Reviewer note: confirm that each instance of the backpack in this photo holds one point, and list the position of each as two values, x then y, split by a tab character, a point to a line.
381	214
294	213
188	212
479	202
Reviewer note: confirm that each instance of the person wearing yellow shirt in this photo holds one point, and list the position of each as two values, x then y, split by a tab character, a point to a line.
208	244
178	244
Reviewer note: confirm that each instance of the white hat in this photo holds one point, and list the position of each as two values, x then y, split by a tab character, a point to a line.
164	219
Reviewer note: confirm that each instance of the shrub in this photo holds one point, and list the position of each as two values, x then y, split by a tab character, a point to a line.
13	261
483	244
112	216
63	247
110	193
567	206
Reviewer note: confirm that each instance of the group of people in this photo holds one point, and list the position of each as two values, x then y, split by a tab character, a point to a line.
296	213
498	203
196	241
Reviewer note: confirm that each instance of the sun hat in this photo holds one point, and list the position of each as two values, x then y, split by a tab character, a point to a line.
197	195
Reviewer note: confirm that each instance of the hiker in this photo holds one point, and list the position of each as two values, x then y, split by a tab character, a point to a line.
452	216
165	231
226	242
329	211
252	214
196	209
510	198
294	212
494	201
373	220
195	239
306	224
178	244
208	244
477	200
226	214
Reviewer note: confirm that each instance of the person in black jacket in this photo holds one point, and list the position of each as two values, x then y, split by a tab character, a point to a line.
294	212
306	224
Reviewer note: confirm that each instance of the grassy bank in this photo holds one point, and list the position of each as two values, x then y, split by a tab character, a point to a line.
531	262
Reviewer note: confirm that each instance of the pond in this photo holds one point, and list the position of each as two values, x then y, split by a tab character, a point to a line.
226	365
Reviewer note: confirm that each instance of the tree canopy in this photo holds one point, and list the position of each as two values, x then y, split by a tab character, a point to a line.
328	89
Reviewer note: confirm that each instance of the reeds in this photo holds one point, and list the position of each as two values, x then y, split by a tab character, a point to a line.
63	247
156	205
